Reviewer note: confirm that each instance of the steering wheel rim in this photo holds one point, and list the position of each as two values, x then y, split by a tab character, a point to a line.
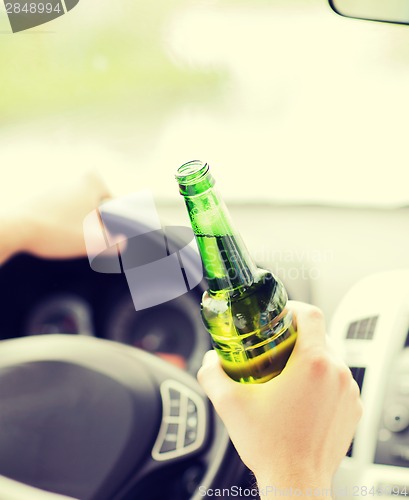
115	362
221	464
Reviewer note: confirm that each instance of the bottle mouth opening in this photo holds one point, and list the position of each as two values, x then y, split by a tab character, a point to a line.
191	172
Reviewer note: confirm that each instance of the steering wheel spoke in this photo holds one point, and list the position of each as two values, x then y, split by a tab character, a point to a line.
120	417
184	422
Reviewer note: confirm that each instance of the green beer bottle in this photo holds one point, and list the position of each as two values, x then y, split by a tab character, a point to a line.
244	308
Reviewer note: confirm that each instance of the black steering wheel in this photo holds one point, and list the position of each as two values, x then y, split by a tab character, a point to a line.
97	420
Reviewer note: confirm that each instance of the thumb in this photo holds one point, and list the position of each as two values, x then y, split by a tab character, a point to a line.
218	386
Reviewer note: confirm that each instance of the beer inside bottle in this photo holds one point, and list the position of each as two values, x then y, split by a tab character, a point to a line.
244	308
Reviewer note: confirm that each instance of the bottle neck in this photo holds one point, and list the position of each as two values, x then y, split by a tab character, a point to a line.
227	263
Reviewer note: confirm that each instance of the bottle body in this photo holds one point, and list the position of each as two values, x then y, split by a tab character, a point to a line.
244	308
252	332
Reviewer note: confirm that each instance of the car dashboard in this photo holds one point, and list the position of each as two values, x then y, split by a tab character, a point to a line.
324	255
55	296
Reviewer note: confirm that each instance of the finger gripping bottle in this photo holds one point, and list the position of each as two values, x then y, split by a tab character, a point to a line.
244	308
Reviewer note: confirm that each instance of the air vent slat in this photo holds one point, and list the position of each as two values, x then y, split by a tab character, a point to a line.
363	329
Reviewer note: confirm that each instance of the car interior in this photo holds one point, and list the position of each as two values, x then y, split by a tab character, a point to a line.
99	400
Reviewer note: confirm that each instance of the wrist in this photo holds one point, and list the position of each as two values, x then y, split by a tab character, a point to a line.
297	486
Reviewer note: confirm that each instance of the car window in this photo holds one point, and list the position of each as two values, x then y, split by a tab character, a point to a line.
310	106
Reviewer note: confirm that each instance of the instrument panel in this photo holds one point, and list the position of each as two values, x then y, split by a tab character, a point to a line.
40	297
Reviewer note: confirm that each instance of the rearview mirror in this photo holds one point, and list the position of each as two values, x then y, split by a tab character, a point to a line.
392	11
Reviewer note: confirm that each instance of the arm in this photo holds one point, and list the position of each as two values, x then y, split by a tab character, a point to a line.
293	430
51	225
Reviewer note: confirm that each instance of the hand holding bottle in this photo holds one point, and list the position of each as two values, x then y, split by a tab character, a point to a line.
244	309
293	430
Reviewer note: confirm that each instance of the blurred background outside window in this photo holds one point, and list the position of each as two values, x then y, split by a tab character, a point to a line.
312	106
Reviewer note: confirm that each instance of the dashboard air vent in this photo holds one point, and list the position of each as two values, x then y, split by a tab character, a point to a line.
363	329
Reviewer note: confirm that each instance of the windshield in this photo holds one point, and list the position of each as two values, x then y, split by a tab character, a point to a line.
288	102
